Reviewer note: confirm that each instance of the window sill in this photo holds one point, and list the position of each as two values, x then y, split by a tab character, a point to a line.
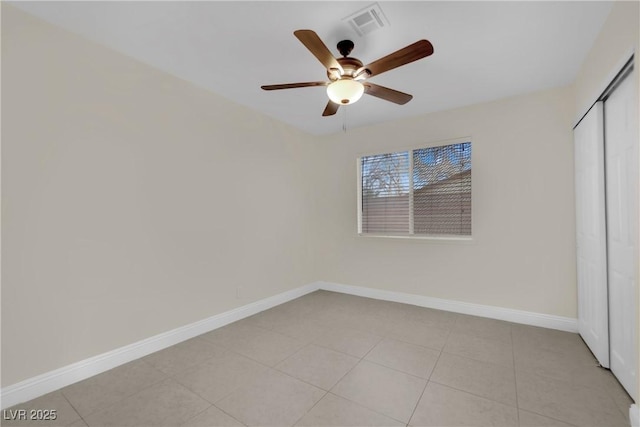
439	239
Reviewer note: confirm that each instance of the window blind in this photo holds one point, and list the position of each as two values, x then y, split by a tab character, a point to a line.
385	193
424	191
442	190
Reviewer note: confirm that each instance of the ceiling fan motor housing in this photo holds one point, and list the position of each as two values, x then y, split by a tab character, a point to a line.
349	66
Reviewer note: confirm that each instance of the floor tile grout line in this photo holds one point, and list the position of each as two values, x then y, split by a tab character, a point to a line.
363	358
356	403
396	338
314	385
375	411
201	412
515	378
120	399
444	350
258	361
467	391
482	337
311	408
427	383
398	370
290	356
299	379
189	390
73	407
221	398
267	367
327	391
366	407
296	338
464	356
305	343
564	383
148	386
203	397
473	394
340	351
190	367
547	416
353	367
262	330
225	412
393	338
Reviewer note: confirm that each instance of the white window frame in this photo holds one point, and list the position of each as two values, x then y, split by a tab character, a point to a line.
411	236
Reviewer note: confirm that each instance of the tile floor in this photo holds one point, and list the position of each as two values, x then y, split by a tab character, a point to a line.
328	359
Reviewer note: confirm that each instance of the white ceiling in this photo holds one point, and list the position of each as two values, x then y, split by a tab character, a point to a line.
483	50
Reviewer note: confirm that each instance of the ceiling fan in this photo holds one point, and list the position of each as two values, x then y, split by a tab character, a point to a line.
347	76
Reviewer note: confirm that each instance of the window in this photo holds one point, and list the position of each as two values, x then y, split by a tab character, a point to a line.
421	192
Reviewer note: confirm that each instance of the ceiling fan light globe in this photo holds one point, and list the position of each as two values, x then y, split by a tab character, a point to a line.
345	91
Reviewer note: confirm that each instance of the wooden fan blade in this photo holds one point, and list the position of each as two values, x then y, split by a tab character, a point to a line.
312	42
387	94
413	52
293	85
330	109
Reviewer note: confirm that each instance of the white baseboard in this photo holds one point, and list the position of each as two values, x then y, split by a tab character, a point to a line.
62	377
516	316
634	415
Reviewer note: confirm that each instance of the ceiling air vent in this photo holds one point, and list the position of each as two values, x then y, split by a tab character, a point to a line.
367	20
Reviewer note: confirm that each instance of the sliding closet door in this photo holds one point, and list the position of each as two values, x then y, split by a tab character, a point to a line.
621	153
591	233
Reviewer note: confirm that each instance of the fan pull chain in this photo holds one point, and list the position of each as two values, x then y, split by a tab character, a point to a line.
344	120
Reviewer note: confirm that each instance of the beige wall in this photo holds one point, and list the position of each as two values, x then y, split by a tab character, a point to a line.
133	202
618	39
522	255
